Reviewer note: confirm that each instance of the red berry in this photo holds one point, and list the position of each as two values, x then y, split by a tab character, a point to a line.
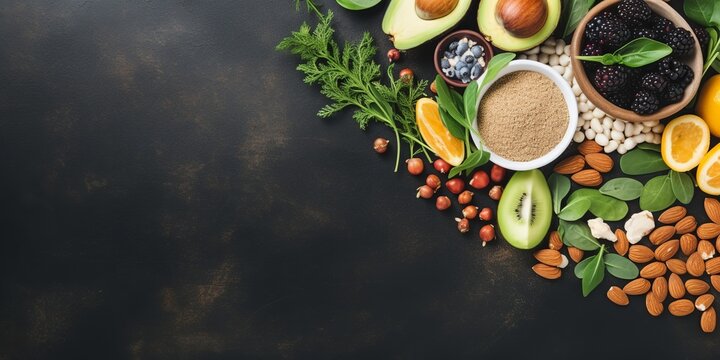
497	173
415	166
486	214
442	203
424	192
455	185
433	181
442	166
465	197
480	180
393	55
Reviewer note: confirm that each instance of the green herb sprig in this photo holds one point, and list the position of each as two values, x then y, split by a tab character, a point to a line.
639	52
573	11
661	191
707	14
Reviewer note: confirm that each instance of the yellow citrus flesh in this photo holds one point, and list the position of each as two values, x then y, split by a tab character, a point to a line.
685	141
436	135
708	104
708	172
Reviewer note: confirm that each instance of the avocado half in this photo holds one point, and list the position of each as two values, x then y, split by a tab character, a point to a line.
407	30
496	34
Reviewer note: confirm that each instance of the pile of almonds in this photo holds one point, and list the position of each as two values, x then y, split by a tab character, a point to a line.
590	154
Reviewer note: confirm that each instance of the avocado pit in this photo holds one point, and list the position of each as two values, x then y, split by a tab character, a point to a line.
522	18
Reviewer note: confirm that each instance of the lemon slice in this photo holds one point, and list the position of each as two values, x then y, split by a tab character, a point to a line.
708	173
685	141
436	135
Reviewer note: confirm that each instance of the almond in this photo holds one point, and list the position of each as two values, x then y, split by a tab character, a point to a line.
686	225
575	254
589	147
622	244
708	320
672	215
555	243
547	271
676	266
570	165
676	286
696	287
588	178
667	250
662	234
548	257
708	231
640	254
712	209
715	281
600	162
660	288
706	249
703	302
654	307
695	265
638	286
616	295
712	266
653	270
688	243
682	307
717	243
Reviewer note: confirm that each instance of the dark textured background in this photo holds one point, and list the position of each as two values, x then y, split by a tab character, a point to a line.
167	192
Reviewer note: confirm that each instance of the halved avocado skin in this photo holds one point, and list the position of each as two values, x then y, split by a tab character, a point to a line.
501	38
541	191
407	30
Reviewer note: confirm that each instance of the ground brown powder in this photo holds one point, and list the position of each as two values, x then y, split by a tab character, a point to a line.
522	116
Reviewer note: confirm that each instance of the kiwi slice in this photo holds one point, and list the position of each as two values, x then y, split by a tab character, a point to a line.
525	209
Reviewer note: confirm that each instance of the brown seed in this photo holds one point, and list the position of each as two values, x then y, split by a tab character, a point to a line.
703	302
575	254
653	270
708	320
676	266
548	257
667	250
616	295
715	281
717	244
589	147
570	166
686	225
696	287
600	162
695	265
682	307
706	249
676	286
662	234
712	209
672	215
622	244
712	266
654	307
587	178
638	286
555	242
708	231
640	254
547	271
660	288
688	244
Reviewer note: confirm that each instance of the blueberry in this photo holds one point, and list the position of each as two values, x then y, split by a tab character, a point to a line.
444	63
464	73
453	45
477	51
450	73
469	59
459	65
461	48
449	55
476	71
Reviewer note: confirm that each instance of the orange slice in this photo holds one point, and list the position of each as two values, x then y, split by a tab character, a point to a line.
436	135
685	141
708	172
708	104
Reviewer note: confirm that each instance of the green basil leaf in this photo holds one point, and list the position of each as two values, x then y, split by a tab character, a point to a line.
593	274
606	59
575	209
712	47
716	65
559	188
470	102
621	267
700	11
573	12
577	234
496	63
682	186
625	189
459	104
657	194
648	146
641	162
473	160
642	51
446	99
451	124
581	266
357	4
602	206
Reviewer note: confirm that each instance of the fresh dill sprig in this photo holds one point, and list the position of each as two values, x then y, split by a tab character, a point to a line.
350	77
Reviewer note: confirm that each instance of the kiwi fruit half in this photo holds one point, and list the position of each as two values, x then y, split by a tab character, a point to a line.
525	209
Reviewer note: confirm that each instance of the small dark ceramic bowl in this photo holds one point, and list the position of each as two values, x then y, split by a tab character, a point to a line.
443	45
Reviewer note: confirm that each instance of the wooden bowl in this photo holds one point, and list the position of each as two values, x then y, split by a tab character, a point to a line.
695	61
443	44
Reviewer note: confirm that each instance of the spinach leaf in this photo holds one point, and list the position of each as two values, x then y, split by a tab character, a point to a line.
573	12
703	12
580	267
559	188
473	160
577	234
602	206
637	53
357	4
594	273
682	186
455	128
648	146
641	162
575	209
446	100
621	267
496	63
657	194
625	189
470	102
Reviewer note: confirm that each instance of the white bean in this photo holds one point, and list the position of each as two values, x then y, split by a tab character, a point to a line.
550	42
651	123
568	75
658	129
522	56
547	49
617	135
554	60
579	137
543	58
606	132
611	146
638	129
639	139
591	105
601	139
564	60
560	47
600	114
560	70
582	107
584	98
576	89
590	134
581	122
621	149
606	122
586	125
619	125
533	57
566	50
587	116
533	51
657	139
646	129
629	144
596	125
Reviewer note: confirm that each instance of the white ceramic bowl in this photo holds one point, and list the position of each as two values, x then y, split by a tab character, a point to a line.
565	89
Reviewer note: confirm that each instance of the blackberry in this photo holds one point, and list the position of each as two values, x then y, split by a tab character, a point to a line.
645	103
607	29
686	79
701	34
620	99
681	41
653	82
591	49
671	68
661	25
634	12
673	93
609	79
646	33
